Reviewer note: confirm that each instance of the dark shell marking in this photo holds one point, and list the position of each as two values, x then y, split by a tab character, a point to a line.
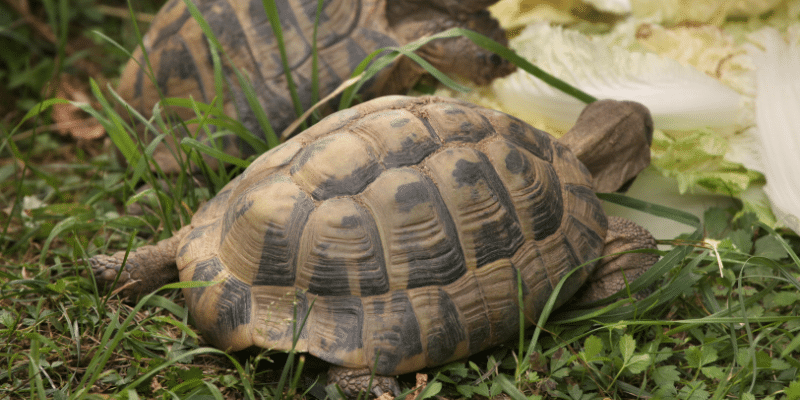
399	236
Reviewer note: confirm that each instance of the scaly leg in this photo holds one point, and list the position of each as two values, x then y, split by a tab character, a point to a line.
355	380
146	269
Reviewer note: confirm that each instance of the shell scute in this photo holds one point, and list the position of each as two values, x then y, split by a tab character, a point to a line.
278	313
234	305
229	308
205	271
480	206
172	22
339	165
533	186
498	289
455	122
261	246
225	24
341	253
419	236
535	141
442	326
335	326
466	295
536	282
270	162
195	237
173	72
331	123
392	337
399	137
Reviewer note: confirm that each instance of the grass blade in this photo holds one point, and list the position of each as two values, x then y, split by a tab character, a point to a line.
275	22
653	209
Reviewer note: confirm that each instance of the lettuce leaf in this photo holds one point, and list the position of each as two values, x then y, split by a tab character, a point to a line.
708	11
513	13
679	96
698	158
517	13
726	113
699	119
685	102
777	63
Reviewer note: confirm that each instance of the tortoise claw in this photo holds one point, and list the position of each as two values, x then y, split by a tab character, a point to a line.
106	268
353	381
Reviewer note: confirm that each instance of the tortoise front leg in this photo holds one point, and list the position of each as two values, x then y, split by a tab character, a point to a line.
147	268
615	269
355	380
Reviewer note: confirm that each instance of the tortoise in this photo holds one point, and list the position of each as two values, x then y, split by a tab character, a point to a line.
348	31
398	228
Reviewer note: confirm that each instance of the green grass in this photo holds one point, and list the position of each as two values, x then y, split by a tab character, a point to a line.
722	321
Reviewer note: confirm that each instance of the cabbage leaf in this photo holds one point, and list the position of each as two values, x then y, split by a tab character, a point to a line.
679	96
777	118
726	113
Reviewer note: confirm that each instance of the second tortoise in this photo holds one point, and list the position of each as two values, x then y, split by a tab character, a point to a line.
348	31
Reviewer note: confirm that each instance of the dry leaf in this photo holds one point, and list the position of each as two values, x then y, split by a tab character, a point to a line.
422	381
71	120
386	396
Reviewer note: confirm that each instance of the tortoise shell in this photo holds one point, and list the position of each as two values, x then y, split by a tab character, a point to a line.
395	230
348	31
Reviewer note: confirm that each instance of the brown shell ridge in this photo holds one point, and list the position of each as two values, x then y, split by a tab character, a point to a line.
535	141
507	228
495	281
234	305
424	118
335	329
571	261
278	268
397	136
478	204
532	185
262	243
548	212
589	198
341	252
576	243
440	324
455	123
297	29
174	27
185	70
392	337
419	238
228	29
473	309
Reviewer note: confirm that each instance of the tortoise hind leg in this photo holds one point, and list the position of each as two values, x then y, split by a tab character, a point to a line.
614	270
146	269
355	380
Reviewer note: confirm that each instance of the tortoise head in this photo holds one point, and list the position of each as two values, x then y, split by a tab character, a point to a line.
414	19
455	8
612	139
